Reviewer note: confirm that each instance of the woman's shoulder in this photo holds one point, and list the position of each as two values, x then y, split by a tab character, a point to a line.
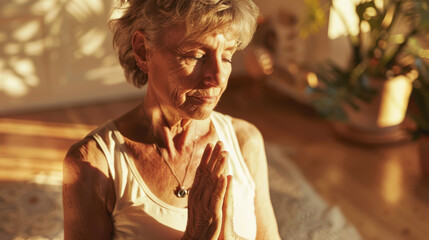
85	150
85	160
251	143
246	132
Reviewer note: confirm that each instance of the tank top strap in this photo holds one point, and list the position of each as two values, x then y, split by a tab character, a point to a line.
226	133
103	135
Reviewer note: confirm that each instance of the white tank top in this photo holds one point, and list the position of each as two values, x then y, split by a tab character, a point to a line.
139	214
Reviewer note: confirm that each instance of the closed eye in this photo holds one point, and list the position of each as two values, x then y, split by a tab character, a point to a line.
227	60
197	57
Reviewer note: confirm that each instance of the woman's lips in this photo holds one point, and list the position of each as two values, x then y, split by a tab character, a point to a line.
205	99
205	96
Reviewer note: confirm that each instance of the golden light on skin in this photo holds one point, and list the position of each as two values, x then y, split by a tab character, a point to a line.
43	129
394	101
392	180
312	80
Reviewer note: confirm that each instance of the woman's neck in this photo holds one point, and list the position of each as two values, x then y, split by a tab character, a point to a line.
169	130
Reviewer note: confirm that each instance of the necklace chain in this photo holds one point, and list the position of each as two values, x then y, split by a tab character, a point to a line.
181	191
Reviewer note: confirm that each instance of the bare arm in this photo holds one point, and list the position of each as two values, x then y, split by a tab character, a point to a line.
88	194
252	148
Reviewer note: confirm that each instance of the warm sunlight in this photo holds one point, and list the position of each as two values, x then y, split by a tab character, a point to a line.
343	12
51	49
26	31
392	180
43	129
312	80
394	104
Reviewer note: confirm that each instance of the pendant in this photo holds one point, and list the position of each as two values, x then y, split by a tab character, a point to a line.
181	192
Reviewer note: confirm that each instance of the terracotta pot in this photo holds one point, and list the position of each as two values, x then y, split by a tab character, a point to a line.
387	109
424	155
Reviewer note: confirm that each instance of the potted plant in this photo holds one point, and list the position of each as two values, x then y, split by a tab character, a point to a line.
419	112
382	67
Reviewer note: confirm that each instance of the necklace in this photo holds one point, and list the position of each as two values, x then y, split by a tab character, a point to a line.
180	191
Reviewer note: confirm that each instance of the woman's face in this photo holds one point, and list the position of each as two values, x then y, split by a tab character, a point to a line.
188	78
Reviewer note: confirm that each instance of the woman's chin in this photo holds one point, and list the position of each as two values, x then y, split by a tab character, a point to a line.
199	112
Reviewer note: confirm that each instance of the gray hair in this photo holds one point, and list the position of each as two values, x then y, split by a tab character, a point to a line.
155	17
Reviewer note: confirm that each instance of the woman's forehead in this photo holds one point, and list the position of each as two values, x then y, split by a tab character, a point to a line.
178	37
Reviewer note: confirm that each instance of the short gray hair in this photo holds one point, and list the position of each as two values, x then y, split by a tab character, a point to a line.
155	17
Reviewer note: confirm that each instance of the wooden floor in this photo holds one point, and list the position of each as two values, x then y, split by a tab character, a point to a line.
379	189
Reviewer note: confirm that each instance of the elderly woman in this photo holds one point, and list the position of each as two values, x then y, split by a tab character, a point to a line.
172	167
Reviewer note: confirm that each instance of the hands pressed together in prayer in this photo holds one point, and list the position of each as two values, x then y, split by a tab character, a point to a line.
210	202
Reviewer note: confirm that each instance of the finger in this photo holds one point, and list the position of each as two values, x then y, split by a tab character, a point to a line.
220	165
228	210
216	203
215	155
201	174
206	155
218	196
203	163
212	179
208	181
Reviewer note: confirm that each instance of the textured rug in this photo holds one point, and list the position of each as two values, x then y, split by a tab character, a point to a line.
33	210
301	213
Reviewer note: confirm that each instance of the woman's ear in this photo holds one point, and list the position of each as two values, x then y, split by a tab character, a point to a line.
140	45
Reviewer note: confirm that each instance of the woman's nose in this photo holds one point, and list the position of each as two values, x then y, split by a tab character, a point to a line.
215	73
